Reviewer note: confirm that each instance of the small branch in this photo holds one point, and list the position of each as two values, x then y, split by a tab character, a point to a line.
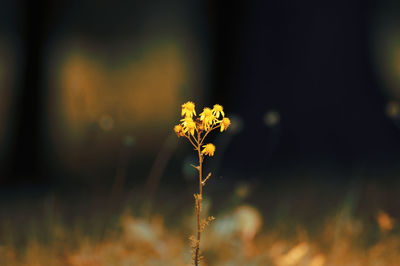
188	137
204	181
196	167
212	128
196	140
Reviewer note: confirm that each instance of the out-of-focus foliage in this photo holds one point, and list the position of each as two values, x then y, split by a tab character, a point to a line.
97	99
7	64
241	235
386	46
116	71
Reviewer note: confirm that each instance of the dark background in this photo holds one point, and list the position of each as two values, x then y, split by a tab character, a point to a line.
313	63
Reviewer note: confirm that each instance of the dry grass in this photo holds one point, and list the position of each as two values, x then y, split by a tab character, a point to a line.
46	233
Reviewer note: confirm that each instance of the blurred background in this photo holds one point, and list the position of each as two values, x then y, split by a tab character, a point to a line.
307	174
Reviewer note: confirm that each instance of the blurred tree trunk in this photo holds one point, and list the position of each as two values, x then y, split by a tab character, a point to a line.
26	155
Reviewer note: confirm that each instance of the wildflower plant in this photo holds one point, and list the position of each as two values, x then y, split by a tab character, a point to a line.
196	130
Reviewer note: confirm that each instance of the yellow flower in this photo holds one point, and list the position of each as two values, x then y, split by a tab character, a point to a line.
209	149
206	113
189	125
179	131
225	122
218	110
188	109
186	120
207	117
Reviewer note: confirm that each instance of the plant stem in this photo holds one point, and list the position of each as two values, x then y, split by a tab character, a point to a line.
199	201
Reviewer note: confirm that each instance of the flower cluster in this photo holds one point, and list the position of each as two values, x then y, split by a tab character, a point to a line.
196	129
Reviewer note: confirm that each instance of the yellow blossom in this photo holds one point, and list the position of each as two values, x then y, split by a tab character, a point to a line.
206	112
207	117
186	120
188	109
225	123
189	126
179	131
209	149
218	110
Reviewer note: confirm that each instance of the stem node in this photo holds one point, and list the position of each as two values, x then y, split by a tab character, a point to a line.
204	181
